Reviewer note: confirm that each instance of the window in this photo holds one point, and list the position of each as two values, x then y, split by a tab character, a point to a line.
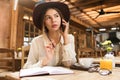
30	31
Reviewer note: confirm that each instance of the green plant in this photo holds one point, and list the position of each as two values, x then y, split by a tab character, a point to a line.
107	45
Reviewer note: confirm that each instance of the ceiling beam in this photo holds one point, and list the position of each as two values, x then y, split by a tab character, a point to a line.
81	23
85	3
97	5
88	16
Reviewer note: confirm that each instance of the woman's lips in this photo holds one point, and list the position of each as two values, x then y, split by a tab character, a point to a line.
54	26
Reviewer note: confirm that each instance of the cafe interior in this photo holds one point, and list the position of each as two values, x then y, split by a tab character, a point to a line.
92	22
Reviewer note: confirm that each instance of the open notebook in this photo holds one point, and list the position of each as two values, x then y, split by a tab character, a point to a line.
44	71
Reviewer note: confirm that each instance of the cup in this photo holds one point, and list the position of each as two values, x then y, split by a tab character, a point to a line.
86	62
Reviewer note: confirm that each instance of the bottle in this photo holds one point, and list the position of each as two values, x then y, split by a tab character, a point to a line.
110	55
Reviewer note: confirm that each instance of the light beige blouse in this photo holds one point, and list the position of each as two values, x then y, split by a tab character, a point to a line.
61	52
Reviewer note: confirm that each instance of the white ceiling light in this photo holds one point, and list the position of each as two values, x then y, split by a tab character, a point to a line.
114	28
102	29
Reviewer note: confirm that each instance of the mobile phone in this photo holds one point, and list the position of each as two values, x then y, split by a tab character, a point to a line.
62	26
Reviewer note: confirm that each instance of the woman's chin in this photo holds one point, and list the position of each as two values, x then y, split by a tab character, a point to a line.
55	29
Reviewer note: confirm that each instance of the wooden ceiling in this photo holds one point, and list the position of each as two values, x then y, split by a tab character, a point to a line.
91	13
88	12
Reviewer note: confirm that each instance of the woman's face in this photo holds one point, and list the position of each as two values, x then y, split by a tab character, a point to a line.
52	20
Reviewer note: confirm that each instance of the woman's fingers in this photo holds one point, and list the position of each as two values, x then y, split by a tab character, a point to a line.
65	25
49	51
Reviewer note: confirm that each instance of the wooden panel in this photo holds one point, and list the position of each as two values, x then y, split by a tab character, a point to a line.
4	23
20	27
14	23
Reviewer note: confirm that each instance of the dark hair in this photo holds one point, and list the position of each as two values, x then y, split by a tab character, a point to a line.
46	30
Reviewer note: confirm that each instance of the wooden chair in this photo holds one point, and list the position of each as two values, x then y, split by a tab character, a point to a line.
98	52
25	51
7	56
87	52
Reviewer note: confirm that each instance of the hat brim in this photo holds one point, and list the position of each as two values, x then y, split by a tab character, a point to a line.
40	8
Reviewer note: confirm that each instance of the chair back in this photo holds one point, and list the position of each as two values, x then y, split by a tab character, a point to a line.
7	59
25	51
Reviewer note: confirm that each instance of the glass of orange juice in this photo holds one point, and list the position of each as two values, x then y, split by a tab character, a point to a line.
106	64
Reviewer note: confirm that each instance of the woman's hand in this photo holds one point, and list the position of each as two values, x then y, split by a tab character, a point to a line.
49	51
67	64
66	30
66	27
49	54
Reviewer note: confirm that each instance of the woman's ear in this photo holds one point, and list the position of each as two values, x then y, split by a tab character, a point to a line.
46	29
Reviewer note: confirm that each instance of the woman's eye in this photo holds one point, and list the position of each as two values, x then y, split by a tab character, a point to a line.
46	18
56	15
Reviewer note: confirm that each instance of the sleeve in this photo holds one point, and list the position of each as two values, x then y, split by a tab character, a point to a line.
33	56
69	53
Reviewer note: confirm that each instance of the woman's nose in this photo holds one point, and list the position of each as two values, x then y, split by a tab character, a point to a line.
53	19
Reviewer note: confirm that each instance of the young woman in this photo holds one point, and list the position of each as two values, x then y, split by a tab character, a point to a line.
55	46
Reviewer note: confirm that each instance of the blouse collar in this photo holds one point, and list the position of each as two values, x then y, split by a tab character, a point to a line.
47	41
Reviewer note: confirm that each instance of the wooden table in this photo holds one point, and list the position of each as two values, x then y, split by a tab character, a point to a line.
78	75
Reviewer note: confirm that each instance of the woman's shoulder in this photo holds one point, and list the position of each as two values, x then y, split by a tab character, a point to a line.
40	37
